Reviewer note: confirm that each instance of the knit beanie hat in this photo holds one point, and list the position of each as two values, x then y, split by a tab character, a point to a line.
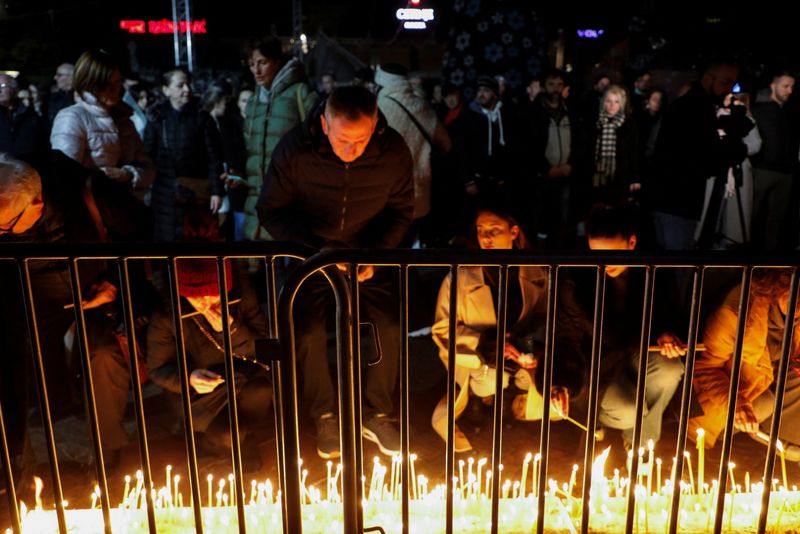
197	277
490	83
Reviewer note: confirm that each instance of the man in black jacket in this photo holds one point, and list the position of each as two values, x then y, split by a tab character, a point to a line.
343	179
22	132
774	164
689	151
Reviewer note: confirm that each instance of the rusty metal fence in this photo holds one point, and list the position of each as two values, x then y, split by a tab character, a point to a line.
280	350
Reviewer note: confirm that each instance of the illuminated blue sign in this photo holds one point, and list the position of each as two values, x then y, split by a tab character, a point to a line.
590	34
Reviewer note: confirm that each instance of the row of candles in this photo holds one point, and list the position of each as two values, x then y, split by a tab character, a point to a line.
473	489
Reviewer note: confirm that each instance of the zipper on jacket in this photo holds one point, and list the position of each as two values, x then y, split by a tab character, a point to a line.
344	199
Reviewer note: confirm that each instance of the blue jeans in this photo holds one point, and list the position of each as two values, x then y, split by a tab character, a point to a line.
618	406
674	232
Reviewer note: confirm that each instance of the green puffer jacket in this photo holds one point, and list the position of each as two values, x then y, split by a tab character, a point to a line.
290	101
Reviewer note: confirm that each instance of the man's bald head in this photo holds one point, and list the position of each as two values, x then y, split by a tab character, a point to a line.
63	76
8	90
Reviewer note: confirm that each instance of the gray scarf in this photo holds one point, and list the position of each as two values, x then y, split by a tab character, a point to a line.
606	148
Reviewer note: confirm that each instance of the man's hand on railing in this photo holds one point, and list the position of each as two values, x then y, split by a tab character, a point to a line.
204	381
745	418
671	345
100	293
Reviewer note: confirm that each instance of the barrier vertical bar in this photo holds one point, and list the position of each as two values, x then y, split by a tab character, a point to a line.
544	436
8	476
780	389
405	423
497	427
641	382
736	368
186	405
88	391
358	449
686	395
41	388
594	387
136	387
230	386
451	399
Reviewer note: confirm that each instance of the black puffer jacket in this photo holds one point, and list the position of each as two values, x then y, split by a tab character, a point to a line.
311	197
181	143
23	134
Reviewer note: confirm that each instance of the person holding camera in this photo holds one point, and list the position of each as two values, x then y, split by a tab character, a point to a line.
476	321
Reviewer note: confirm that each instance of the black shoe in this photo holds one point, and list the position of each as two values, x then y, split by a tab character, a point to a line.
328	444
382	430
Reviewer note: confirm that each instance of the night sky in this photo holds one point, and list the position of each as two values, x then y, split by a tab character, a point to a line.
34	34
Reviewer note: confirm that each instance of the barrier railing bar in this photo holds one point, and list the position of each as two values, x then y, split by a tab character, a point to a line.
698	277
188	427
450	455
547	383
230	386
405	423
41	388
346	353
736	368
780	389
136	387
641	382
8	477
350	372
594	388
497	427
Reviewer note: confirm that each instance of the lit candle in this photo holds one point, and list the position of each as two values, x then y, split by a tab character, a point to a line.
525	463
691	473
374	478
470	474
488	484
329	480
658	475
515	490
731	465
336	482
461	477
210	480
169	483
641	470
253	491
39	485
176	479
220	491
506	488
481	462
415	489
535	485
572	479
747	481
782	452
127	490
701	459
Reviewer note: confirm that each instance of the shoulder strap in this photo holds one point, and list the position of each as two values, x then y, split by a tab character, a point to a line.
300	106
414	120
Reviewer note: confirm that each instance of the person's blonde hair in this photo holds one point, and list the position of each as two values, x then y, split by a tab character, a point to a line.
622	93
93	71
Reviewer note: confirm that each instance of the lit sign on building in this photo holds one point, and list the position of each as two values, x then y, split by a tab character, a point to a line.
414	18
590	34
162	26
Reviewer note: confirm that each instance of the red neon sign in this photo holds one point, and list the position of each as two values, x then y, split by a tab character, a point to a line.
162	26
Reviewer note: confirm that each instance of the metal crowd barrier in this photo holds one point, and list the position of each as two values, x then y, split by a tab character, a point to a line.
346	289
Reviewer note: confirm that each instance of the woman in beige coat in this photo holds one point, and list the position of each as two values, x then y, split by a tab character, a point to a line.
476	314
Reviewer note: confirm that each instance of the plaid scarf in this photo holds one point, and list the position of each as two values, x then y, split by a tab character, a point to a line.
606	148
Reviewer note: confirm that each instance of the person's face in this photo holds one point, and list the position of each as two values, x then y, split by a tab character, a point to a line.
553	88
451	100
643	82
24	96
437	93
263	68
655	101
63	77
20	216
110	93
602	84
206	304
495	232
244	97
612	104
348	138
143	99
7	91
533	89
328	83
178	91
486	98
719	81
782	89
613	243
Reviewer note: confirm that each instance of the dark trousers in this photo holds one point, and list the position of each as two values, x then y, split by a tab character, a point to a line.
378	304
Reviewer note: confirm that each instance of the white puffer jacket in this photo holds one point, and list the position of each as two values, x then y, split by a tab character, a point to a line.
97	137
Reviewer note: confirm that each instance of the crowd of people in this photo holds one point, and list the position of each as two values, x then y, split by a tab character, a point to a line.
377	164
